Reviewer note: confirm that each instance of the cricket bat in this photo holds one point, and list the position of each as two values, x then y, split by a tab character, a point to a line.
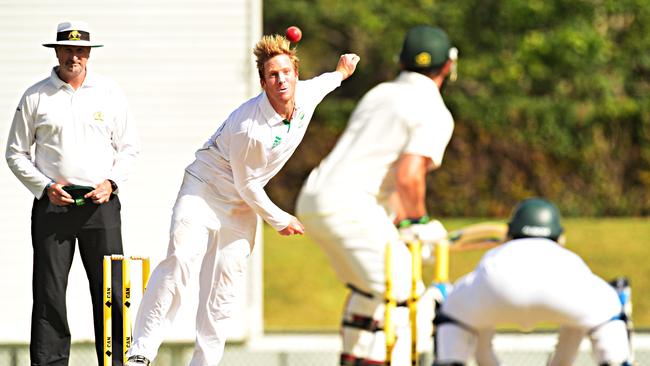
478	236
482	235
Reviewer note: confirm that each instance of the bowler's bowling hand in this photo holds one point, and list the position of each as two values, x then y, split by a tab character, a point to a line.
347	64
294	227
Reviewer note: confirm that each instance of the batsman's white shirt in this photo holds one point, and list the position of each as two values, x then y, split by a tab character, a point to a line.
403	116
344	198
213	224
81	136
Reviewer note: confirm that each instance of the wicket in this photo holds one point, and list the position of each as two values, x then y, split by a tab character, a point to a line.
415	248
391	304
441	275
126	301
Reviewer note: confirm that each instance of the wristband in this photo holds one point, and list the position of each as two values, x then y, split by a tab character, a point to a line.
408	222
47	187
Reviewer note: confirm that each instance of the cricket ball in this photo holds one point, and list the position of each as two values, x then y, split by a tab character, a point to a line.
294	34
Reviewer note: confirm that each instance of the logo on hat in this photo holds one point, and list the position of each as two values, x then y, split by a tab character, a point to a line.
536	230
73	33
424	47
74	36
423	59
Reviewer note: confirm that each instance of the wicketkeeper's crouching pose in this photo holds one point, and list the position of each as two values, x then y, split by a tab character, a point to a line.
531	279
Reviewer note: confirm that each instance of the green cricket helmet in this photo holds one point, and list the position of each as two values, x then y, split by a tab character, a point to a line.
535	218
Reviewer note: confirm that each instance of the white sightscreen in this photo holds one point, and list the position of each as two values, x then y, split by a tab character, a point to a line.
184	65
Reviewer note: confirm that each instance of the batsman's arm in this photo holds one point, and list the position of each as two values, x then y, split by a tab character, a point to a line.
410	172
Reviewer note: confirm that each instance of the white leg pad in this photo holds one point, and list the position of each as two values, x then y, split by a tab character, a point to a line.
454	344
426	313
362	343
366	344
610	343
485	355
568	346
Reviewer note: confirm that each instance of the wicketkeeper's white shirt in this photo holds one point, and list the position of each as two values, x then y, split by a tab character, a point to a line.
81	136
406	115
253	144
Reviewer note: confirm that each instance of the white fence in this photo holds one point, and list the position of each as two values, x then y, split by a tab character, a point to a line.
323	350
184	66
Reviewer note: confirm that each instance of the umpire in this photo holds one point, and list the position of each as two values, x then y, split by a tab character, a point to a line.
85	145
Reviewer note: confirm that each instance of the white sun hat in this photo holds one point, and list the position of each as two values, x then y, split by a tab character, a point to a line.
73	33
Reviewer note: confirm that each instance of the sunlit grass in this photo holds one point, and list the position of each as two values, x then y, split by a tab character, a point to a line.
302	292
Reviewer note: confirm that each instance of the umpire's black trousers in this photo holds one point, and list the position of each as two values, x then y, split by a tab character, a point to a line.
97	229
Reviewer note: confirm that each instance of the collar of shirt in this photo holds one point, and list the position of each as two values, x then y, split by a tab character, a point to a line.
89	80
417	79
272	117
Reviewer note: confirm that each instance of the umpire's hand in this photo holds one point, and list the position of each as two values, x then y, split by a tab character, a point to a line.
58	196
102	192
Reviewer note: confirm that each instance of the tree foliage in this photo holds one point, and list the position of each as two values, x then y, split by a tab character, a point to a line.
552	97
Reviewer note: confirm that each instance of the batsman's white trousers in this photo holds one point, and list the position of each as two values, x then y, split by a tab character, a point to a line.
355	239
206	233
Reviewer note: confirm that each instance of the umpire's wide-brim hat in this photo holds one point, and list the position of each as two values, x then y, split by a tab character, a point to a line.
73	33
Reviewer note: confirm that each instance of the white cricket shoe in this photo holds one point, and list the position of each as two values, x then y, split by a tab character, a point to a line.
137	360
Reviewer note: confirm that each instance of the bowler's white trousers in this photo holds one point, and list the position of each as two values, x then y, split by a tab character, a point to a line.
206	233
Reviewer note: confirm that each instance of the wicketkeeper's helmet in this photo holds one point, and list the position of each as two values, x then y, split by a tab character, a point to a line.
535	218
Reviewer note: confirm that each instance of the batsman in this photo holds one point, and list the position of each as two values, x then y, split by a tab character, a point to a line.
369	193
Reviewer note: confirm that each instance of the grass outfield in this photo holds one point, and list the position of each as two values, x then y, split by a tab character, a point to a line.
301	292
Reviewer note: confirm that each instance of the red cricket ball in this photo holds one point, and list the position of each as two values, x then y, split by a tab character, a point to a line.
294	34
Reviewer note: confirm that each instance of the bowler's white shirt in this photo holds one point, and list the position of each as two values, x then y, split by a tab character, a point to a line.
81	136
403	116
253	144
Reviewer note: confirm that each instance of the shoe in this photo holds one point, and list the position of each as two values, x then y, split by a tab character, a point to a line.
137	360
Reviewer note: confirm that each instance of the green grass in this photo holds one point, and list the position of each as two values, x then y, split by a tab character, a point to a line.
301	292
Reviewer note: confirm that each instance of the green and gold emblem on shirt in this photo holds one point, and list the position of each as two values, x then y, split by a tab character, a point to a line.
99	116
301	117
276	141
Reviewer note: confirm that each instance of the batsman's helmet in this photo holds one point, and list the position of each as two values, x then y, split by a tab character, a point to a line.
535	218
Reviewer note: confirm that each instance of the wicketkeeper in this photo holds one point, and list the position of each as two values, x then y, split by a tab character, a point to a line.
529	280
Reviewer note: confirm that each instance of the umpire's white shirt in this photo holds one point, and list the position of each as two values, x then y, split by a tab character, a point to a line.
403	116
253	144
81	136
